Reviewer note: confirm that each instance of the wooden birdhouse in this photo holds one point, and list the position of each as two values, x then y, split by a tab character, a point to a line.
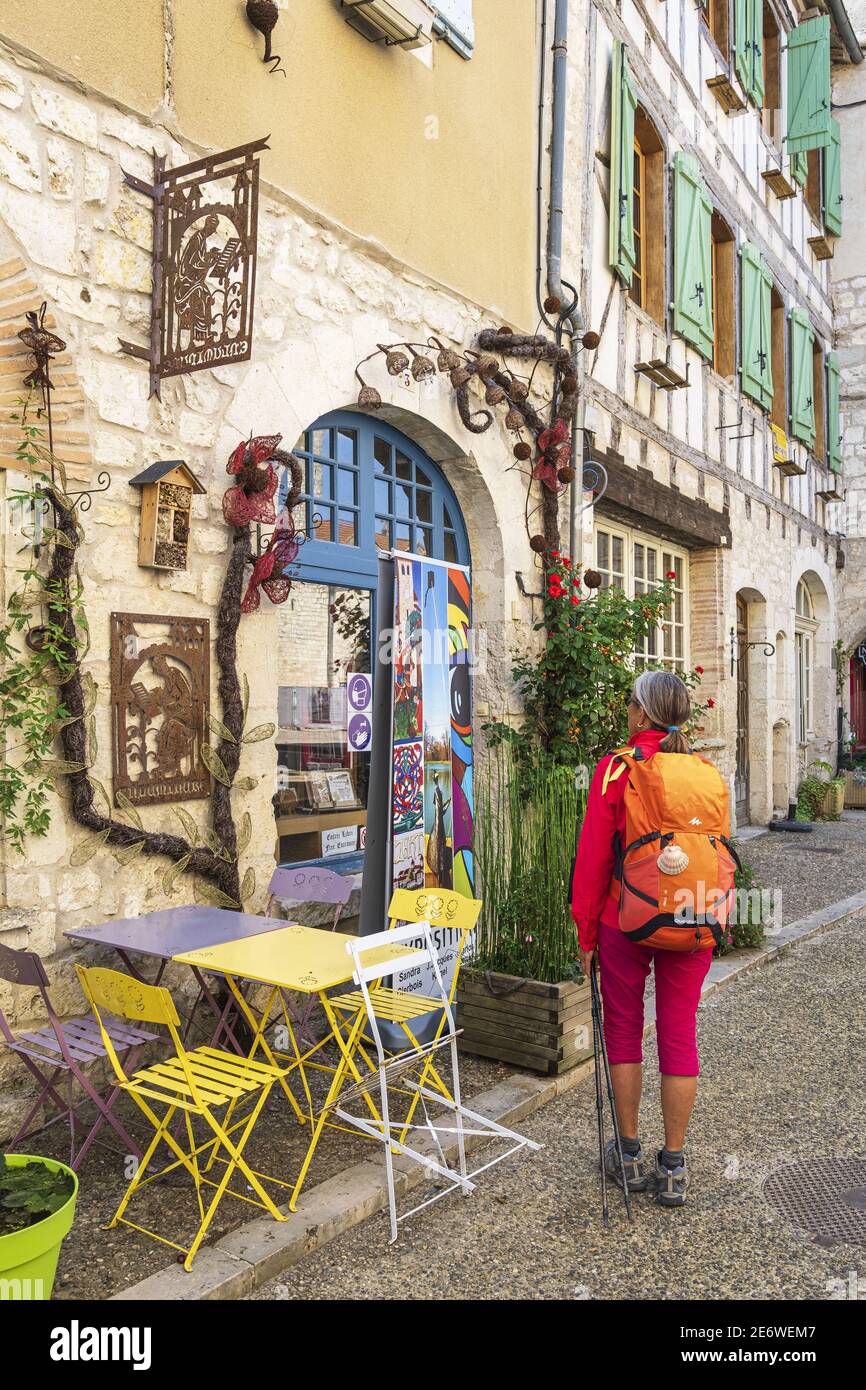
166	513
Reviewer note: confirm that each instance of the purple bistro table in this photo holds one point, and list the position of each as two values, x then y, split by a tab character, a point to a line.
175	931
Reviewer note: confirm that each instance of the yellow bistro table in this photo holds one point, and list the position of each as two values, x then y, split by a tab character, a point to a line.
306	960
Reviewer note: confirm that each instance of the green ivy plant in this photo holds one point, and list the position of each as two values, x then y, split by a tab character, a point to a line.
29	1193
35	659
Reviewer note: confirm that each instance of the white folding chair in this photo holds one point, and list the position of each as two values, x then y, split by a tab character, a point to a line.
368	972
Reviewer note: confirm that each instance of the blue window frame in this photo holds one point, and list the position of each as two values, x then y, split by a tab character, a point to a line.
367	486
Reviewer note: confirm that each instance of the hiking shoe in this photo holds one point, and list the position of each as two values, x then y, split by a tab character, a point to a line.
637	1170
671	1184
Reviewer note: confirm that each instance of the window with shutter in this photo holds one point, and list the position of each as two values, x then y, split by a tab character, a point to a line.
833	181
455	23
693	277
809	85
802	403
834	419
756	365
623	103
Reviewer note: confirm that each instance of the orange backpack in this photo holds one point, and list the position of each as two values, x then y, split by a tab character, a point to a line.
674	875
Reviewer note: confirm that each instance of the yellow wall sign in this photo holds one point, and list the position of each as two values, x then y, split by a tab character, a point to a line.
780	445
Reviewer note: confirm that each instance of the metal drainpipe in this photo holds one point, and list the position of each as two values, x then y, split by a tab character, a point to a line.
845	30
574	319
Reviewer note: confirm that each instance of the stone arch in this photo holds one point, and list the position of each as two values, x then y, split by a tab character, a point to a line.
821	735
297	385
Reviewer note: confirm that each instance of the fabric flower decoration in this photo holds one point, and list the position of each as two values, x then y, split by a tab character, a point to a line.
554	453
268	570
252	498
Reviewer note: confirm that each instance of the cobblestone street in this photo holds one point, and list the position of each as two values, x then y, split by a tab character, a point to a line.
783	1074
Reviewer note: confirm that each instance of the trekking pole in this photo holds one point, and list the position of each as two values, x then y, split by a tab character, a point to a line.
599	1108
596	1005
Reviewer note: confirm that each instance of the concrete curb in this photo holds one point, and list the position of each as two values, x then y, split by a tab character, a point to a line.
261	1249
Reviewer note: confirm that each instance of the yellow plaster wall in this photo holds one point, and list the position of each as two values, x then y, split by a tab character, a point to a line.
436	164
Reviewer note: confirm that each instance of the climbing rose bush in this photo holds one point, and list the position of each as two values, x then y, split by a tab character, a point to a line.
575	692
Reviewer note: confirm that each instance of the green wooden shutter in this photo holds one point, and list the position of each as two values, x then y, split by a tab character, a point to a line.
743	41
834	419
693	251
809	85
802	405
833	181
756	87
800	168
623	103
756	365
748	45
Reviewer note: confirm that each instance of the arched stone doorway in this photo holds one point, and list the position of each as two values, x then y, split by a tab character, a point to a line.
752	774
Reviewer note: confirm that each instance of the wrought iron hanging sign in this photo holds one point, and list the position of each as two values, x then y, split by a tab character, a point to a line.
205	230
160	689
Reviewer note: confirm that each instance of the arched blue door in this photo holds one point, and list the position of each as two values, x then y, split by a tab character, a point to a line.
367	487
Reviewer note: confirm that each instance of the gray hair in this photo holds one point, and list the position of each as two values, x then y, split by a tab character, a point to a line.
665	698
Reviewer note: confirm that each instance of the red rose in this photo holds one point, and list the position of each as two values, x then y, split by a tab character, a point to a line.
711	704
672	574
575	599
555	554
554	590
699	670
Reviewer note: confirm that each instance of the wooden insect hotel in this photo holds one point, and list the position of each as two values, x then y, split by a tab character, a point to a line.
167	491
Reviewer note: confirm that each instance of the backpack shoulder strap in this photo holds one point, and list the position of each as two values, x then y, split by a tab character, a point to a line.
619	761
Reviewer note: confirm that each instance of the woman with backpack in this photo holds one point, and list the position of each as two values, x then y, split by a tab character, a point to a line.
652	887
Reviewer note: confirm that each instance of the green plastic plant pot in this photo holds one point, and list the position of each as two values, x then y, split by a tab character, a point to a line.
28	1258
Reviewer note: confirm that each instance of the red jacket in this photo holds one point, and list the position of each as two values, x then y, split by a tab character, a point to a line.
605	815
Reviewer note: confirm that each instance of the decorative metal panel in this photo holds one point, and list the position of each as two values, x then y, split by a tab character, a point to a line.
205	229
160	696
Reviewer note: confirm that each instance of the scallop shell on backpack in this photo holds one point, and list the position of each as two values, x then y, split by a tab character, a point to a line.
673	860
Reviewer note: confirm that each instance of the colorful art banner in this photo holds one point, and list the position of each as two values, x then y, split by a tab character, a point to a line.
432	726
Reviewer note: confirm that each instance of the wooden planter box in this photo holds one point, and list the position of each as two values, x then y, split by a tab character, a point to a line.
834	800
546	1028
855	794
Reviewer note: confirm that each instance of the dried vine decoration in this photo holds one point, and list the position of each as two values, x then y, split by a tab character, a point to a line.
43	345
547	452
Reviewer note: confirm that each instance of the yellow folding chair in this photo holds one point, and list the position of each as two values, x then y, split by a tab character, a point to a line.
196	1084
445	910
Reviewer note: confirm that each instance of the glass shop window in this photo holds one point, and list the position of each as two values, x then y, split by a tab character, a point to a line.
320	800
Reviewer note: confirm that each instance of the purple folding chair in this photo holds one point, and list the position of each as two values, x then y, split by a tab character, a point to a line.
309	884
65	1049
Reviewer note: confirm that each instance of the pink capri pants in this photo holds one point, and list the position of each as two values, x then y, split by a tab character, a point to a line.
679	976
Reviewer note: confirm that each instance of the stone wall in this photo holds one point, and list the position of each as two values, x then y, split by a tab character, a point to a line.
71	232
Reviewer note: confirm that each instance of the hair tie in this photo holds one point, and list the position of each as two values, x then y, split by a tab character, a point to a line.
673	728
